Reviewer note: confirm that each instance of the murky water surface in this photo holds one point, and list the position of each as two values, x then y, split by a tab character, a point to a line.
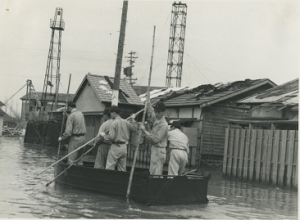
24	194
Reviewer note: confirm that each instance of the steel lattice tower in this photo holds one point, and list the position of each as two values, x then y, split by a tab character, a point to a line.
52	75
176	45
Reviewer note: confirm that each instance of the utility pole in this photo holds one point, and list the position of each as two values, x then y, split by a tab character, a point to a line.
115	91
128	70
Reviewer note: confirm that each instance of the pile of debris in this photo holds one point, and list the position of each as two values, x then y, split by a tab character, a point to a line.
17	131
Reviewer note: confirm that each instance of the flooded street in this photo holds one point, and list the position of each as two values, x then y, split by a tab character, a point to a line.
24	194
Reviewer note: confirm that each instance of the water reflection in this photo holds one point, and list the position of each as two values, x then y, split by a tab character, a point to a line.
24	194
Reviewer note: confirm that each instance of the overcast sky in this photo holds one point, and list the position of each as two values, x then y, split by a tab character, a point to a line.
225	41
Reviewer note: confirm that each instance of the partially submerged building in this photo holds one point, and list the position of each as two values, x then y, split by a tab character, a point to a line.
208	108
93	96
275	108
29	103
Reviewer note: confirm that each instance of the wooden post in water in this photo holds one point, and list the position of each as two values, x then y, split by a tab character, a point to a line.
143	121
64	116
115	91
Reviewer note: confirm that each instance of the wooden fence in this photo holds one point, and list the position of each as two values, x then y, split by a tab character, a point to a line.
262	156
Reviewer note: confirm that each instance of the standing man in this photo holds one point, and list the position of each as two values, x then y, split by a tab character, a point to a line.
157	136
75	130
104	145
179	147
119	135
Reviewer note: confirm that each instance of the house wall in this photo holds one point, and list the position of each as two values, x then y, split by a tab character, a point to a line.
1	124
265	112
186	112
215	121
88	101
172	112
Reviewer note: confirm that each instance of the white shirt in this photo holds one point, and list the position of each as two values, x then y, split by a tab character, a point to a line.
178	140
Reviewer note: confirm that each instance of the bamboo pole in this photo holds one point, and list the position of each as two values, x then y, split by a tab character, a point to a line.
143	121
71	165
64	117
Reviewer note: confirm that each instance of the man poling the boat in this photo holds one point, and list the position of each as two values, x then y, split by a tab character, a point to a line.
157	136
104	145
178	144
75	131
119	135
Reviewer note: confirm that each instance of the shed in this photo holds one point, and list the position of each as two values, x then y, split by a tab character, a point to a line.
275	108
94	95
29	103
210	107
2	113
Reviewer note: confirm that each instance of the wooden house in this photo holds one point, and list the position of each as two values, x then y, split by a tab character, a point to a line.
265	148
207	108
94	95
29	110
275	108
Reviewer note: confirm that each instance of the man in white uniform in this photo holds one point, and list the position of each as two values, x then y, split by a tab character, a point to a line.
179	147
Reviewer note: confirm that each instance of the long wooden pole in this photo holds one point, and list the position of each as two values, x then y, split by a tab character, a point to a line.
64	116
143	121
71	164
115	91
79	148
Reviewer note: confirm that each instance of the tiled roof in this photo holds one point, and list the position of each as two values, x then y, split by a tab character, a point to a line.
286	94
209	94
1	104
61	97
102	85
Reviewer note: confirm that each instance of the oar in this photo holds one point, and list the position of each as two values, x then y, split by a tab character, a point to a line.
78	148
64	116
71	165
143	121
68	154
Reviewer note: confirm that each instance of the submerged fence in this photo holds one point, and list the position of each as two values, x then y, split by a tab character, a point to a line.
262	156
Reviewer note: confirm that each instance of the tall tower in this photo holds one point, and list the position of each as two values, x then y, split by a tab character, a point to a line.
52	75
128	70
176	45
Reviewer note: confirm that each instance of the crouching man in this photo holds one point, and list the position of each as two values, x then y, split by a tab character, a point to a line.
179	147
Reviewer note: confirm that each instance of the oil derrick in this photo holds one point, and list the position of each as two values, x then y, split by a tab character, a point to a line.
128	70
176	45
52	75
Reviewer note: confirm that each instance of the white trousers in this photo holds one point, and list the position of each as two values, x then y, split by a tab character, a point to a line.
178	160
158	158
117	156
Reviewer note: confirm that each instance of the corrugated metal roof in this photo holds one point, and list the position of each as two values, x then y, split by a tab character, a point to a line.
50	97
102	86
286	94
206	94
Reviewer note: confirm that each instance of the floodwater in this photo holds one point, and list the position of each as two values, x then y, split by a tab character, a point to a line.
24	194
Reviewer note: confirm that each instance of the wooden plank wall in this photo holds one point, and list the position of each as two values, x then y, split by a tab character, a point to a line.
215	121
262	156
143	158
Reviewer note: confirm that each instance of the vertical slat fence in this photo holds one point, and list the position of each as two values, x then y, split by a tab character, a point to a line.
262	156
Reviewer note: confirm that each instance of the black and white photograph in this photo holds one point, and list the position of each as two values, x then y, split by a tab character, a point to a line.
149	109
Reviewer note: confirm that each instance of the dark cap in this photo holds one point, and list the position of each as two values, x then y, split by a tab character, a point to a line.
106	111
159	106
115	109
71	104
175	124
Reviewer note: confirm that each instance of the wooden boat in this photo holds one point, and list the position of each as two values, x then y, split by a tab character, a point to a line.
146	188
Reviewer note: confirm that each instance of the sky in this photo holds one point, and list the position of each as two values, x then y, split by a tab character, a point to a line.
225	41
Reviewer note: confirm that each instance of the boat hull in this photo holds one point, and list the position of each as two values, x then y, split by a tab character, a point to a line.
145	188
